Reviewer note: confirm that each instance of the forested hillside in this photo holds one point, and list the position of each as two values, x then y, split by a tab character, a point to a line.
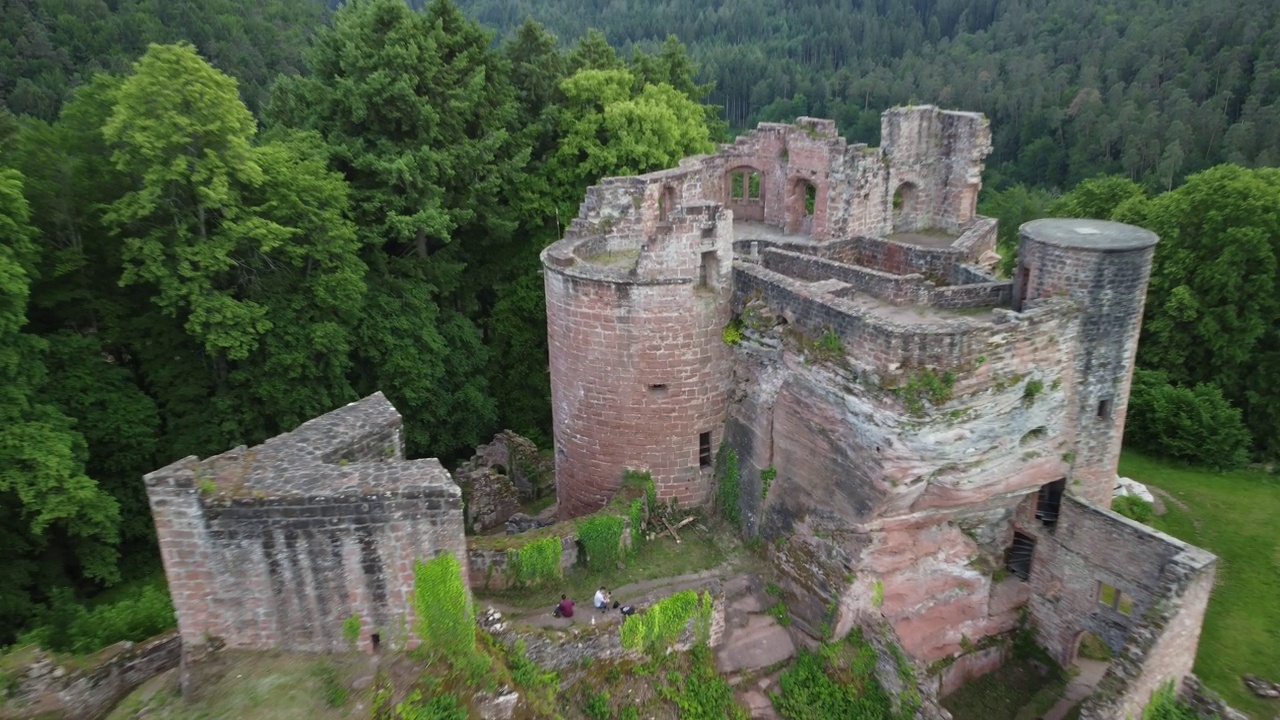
1151	89
180	275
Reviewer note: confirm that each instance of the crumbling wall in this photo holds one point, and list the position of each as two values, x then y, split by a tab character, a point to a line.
276	546
937	159
88	689
1167	581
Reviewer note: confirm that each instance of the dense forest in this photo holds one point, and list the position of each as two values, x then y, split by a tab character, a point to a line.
219	219
1151	89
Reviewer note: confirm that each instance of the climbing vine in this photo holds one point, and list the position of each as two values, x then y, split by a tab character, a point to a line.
766	479
729	490
537	562
446	619
636	514
662	624
601	536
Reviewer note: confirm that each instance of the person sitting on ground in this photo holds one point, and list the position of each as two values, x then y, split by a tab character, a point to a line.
602	599
564	609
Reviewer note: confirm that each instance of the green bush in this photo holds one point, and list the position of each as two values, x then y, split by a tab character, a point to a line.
597	707
835	683
1134	508
439	707
702	693
69	626
1197	425
601	537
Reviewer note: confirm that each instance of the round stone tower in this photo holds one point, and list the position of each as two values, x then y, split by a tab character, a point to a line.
637	303
1103	266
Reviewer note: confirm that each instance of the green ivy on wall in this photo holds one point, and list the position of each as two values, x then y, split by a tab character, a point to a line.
662	624
729	490
636	514
537	562
601	536
766	479
446	619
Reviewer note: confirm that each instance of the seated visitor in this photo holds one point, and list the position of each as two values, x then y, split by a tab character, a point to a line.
602	599
564	609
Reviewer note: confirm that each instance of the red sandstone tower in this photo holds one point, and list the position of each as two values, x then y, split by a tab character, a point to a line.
637	301
1104	267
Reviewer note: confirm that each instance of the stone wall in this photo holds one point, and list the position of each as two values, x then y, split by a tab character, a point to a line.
1166	581
89	689
487	566
276	546
1205	702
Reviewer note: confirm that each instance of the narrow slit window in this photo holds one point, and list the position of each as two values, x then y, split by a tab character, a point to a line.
1049	502
658	388
376	641
708	270
704	450
1104	408
1017	558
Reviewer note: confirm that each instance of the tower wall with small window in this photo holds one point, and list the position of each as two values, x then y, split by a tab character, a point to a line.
637	303
1104	268
935	161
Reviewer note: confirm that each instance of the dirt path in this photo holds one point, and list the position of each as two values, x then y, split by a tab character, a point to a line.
1080	687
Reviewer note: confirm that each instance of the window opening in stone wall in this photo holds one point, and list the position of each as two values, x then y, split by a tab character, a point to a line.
753	186
1049	502
1104	409
810	198
658	388
666	203
376	641
1114	598
708	270
737	182
704	450
1017	559
1024	281
708	233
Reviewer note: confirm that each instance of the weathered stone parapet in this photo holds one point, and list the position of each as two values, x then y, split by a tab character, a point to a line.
277	546
89	689
1205	702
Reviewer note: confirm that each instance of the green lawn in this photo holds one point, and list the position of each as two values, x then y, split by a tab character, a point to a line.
1236	515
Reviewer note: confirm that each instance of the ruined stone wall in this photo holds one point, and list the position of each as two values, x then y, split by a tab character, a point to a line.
275	546
1104	267
877	485
935	162
1091	545
911	289
88	689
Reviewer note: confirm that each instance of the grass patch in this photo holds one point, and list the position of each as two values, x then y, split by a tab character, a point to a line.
660	558
1234	515
1001	695
253	686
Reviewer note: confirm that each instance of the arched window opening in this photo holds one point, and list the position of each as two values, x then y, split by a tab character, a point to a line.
904	198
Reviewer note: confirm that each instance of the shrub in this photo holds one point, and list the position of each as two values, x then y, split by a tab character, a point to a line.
837	682
69	626
1197	425
351	629
1165	705
439	707
1134	508
597	706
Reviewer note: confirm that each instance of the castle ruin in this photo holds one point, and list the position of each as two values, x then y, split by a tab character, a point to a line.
914	437
279	545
